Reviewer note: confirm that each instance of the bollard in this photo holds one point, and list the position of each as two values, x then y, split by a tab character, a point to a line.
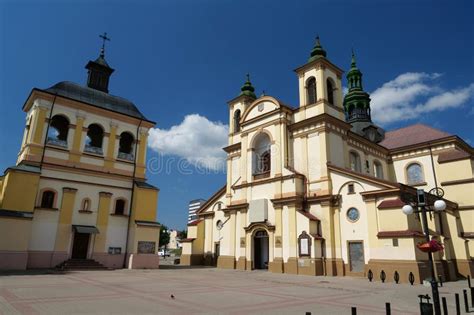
469	281
472	297
396	277
308	313
370	275
458	307
440	281
411	278
466	306
383	276
445	305
388	310
354	310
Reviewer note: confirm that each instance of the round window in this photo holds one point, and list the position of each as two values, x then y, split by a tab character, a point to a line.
353	214
219	225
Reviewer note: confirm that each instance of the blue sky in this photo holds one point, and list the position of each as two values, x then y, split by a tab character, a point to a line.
180	61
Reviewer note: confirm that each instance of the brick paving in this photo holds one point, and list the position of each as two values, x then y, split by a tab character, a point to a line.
205	291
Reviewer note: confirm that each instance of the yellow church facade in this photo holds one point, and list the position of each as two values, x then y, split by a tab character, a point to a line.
78	191
319	189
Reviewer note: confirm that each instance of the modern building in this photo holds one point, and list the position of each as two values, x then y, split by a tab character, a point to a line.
194	206
78	189
319	189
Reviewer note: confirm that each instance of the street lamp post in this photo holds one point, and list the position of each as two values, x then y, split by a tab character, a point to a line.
422	208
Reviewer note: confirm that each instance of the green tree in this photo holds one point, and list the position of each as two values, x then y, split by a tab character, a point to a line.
182	234
164	235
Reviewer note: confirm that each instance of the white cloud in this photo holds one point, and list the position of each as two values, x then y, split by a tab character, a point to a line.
196	139
413	94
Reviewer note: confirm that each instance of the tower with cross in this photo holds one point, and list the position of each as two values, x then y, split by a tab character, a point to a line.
99	70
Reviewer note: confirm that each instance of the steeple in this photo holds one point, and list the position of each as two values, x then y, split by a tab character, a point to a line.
99	70
357	106
317	51
247	89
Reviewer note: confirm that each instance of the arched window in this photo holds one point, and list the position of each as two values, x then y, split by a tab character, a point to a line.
354	160
330	91
58	130
126	146
237	121
311	91
120	206
262	156
378	170
414	174
95	135
47	199
86	204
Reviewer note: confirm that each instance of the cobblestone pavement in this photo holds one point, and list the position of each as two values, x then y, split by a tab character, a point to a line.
205	291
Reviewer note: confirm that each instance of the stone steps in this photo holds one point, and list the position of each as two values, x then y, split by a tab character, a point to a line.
81	264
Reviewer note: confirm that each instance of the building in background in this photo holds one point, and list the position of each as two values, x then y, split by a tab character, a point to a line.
194	206
319	189
78	190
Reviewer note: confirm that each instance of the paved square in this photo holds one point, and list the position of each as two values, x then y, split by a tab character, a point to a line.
205	291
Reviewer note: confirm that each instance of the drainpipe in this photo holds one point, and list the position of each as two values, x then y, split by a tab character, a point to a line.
132	195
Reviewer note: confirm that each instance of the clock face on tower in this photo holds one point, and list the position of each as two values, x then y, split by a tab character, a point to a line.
353	214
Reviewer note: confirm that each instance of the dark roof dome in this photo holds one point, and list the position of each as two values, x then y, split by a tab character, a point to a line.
95	98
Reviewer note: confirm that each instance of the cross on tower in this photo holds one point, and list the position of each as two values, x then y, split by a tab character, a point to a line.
104	38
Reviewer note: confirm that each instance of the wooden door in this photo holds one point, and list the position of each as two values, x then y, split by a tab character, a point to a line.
80	246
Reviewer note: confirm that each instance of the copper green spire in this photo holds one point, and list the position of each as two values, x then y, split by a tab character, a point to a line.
353	61
317	51
247	89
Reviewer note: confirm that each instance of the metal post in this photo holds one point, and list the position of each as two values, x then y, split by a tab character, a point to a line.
434	283
469	281
472	297
458	307
445	305
388	310
354	310
466	305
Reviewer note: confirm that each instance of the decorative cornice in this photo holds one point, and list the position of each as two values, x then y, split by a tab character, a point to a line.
105	194
233	147
263	224
458	182
69	189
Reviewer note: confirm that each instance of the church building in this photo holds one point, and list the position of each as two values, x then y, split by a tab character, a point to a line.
319	189
78	195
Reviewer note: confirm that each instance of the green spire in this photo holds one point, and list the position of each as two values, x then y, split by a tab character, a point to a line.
354	76
353	61
317	51
247	89
356	101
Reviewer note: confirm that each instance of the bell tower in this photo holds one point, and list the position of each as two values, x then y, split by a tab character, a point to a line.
320	88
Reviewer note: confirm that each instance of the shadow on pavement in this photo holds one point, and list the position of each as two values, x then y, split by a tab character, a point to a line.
184	267
32	272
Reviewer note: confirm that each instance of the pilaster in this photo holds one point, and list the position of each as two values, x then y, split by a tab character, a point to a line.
75	154
109	158
63	234
102	221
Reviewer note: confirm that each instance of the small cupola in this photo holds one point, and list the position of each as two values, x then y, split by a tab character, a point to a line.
247	89
317	51
99	71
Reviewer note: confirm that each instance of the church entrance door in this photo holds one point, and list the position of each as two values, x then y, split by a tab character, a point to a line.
260	246
356	256
80	245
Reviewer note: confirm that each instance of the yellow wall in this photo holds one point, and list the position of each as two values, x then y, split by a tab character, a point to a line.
63	234
15	234
102	220
19	191
144	204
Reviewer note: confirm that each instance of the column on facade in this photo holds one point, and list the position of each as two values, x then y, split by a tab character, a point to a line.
63	232
323	157
141	156
103	213
39	123
75	153
109	158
